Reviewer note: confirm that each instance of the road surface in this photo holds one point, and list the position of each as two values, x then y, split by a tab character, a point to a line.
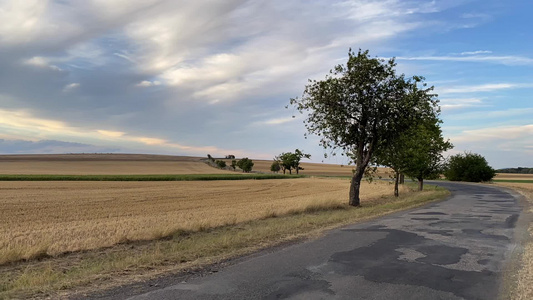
454	249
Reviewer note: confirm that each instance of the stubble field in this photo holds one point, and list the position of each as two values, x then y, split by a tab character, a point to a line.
50	218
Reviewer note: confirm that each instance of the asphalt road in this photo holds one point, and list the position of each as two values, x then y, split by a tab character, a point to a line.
454	249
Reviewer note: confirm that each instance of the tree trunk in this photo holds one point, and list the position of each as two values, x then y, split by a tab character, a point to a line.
355	186
396	179
290	171
297	170
402	179
284	171
420	184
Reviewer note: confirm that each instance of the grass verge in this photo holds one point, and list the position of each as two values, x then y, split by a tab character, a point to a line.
513	180
58	277
521	282
155	177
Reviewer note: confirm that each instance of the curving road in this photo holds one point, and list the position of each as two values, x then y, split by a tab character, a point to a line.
454	249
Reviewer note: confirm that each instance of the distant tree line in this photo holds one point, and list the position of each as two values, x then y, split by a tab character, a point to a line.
245	164
519	170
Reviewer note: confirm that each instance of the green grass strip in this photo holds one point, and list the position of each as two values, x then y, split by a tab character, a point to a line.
179	177
513	180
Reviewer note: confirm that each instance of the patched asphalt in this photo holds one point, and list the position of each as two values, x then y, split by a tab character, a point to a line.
453	249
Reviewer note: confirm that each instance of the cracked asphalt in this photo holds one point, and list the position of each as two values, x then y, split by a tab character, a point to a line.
453	249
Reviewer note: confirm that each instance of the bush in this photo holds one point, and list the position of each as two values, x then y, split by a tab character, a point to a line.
221	164
275	167
469	167
245	164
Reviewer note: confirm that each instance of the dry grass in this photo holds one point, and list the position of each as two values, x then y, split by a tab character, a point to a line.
49	218
524	281
510	176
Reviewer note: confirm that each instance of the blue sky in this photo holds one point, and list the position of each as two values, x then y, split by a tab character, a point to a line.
198	77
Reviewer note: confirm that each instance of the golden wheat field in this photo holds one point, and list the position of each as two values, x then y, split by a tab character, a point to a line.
56	217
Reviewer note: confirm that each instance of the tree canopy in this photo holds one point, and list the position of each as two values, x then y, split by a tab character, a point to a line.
470	167
361	107
245	164
289	161
417	152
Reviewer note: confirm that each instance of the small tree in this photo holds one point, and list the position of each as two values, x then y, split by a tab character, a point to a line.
289	161
210	157
245	164
233	164
220	163
299	155
417	153
286	161
275	167
230	156
470	167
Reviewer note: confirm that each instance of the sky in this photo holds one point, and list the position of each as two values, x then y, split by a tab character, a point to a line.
214	77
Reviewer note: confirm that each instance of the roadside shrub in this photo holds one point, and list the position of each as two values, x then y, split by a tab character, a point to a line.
221	164
469	167
275	167
245	164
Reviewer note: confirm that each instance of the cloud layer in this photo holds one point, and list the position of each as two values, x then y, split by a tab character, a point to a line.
189	77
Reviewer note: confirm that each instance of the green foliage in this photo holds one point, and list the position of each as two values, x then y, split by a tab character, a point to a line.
220	163
245	164
519	170
470	167
275	167
289	161
361	107
233	164
417	152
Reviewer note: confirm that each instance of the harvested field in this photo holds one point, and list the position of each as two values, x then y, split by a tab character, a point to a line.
509	176
104	164
49	218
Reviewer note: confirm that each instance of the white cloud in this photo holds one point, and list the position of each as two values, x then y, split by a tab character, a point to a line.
109	133
277	121
147	83
41	62
19	124
71	86
476	52
448	104
489	87
522	133
505	60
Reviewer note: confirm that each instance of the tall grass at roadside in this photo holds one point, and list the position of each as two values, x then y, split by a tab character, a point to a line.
189	250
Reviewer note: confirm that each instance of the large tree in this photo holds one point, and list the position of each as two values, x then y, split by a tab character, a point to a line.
360	107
